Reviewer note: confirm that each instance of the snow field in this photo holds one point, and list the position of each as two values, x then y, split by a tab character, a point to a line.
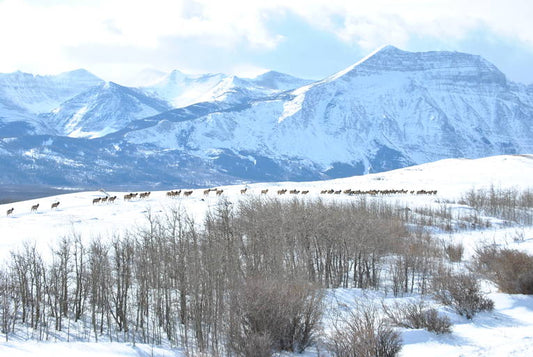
507	331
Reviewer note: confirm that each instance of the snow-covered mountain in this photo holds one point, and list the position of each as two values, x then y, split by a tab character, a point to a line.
391	109
23	96
101	110
79	104
182	89
39	94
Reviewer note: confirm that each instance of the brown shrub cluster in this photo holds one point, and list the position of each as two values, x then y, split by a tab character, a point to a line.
510	269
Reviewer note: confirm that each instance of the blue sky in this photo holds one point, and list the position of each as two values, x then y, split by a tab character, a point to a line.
117	39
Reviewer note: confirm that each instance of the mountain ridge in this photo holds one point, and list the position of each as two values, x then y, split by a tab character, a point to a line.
391	109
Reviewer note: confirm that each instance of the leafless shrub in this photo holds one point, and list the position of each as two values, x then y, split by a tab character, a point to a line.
257	345
416	315
284	313
462	292
525	283
510	269
508	204
519	236
437	323
416	259
364	332
447	220
454	252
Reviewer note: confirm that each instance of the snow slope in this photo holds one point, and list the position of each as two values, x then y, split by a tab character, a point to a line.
39	94
102	110
76	214
504	332
84	349
23	96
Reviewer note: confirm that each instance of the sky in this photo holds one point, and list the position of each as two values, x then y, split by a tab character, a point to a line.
131	41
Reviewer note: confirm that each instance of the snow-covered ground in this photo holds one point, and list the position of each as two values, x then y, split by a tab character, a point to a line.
507	331
83	349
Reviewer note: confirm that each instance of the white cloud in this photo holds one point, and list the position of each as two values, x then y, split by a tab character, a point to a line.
373	23
30	30
39	36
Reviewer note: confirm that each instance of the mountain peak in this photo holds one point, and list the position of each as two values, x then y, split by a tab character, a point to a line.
448	65
279	81
80	72
111	85
269	74
386	49
79	75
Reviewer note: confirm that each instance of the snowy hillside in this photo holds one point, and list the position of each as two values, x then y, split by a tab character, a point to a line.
450	178
505	331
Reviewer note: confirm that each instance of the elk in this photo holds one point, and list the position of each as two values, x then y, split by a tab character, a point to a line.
187	193
112	199
243	191
104	199
323	192
97	200
145	195
282	191
34	207
9	211
294	192
129	196
173	193
54	205
206	192
219	192
305	192
264	192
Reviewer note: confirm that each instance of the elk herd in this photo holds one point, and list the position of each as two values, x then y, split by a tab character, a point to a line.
283	191
219	192
106	199
34	208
